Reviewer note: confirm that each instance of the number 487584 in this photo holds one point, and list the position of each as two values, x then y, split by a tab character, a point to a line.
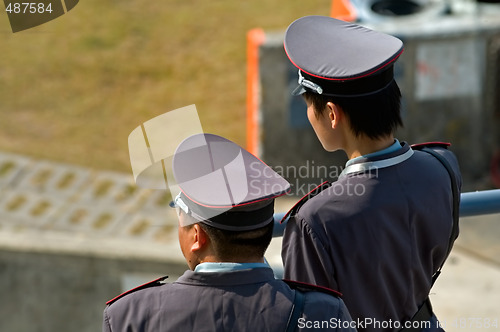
28	8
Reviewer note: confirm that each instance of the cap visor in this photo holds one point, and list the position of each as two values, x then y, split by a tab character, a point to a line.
298	90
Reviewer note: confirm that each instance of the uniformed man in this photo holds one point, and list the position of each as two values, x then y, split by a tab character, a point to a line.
381	231
226	208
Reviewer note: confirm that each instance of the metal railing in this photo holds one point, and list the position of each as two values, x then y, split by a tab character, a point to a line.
471	204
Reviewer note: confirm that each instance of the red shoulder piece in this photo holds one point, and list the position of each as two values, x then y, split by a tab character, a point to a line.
156	282
304	199
420	146
303	286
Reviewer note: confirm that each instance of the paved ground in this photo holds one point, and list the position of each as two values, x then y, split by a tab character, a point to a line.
54	206
467	294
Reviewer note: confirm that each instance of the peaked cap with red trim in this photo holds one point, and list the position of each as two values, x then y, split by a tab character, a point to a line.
338	58
223	185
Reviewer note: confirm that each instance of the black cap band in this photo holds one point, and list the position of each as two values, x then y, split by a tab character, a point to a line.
355	87
248	218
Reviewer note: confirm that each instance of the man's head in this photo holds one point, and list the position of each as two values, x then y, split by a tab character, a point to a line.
226	202
346	69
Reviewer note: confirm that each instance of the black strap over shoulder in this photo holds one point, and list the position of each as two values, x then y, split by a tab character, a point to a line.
456	206
297	310
425	313
427	147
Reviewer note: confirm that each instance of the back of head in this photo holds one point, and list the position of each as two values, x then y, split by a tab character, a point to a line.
229	193
235	246
374	115
351	66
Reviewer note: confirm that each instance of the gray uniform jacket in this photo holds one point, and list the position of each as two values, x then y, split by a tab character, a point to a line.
245	300
376	235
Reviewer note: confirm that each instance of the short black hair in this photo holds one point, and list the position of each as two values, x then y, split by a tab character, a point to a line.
232	245
376	115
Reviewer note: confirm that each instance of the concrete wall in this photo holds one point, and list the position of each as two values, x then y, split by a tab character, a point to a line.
54	291
288	142
72	238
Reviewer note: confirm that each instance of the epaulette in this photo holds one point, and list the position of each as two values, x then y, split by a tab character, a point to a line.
304	199
154	283
305	287
420	146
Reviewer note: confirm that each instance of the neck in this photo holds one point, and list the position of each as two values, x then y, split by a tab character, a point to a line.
363	145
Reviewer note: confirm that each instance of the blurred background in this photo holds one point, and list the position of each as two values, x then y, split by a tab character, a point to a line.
74	88
75	231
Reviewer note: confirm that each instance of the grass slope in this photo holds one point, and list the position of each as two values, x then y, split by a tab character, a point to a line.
72	90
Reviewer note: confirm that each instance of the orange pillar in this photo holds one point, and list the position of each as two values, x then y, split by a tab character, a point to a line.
343	10
255	38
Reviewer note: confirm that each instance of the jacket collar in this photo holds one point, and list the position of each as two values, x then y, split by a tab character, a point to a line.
231	278
364	164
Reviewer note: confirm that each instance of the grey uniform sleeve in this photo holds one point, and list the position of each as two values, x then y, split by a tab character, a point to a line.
106	327
304	255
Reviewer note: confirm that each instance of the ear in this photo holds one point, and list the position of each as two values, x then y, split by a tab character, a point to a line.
200	238
334	114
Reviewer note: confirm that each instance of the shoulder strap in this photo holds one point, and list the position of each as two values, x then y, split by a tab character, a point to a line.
156	282
297	309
